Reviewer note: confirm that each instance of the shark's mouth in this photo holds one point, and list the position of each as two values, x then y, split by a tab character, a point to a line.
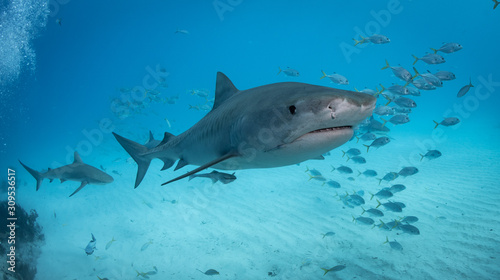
330	129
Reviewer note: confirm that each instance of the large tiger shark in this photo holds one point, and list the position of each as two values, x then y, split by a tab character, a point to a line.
267	126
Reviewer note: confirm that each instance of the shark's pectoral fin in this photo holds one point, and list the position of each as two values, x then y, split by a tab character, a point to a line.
167	163
203	167
84	183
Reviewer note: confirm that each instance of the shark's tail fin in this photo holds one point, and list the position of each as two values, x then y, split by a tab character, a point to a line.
136	151
38	176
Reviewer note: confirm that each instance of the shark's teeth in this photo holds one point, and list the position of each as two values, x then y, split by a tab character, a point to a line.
331	129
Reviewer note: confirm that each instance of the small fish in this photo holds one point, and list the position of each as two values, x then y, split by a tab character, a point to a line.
375	39
146	245
317	177
289	72
447	122
142	274
363	220
333	184
91	246
330	233
410	229
431	154
102	168
398	119
496	4
409	219
397	188
382	194
105	278
399	72
398	89
116	172
368	173
394	244
351	152
408	171
390	206
181	31
413	91
147	204
313	171
357	159
430	58
368	136
404	102
448	48
209	272
401	110
110	242
465	89
384	111
336	78
422	84
168	123
429	78
389	177
373	212
216	176
333	269
377	143
59	21
352	200
445	75
343	169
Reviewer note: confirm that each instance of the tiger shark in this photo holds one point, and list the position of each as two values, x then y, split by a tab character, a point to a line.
263	127
76	171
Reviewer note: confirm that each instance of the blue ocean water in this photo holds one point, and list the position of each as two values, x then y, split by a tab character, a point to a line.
73	71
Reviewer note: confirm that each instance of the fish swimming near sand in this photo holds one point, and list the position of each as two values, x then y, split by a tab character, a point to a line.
91	246
77	171
215	175
268	126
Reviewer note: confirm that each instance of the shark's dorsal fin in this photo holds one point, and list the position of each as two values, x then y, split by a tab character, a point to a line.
203	167
224	89
78	159
151	137
167	137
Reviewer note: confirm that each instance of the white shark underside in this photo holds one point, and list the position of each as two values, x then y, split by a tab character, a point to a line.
268	126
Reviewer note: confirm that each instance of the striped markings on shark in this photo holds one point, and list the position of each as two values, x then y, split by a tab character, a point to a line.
268	126
76	171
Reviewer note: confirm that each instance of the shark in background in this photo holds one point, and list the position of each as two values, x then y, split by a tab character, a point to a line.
263	127
76	171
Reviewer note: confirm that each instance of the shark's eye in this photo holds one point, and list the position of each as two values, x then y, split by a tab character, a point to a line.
292	109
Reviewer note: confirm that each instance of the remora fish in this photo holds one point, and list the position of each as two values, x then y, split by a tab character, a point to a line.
268	126
77	171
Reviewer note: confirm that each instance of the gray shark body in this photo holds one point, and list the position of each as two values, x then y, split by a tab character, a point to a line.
268	126
76	171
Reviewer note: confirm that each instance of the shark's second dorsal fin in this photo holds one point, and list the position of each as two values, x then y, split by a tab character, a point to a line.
78	159
151	137
224	89
166	138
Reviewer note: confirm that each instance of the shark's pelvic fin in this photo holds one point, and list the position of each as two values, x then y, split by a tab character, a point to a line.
224	89
203	167
38	176
84	183
181	164
136	151
78	159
